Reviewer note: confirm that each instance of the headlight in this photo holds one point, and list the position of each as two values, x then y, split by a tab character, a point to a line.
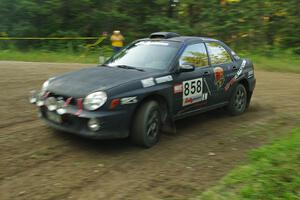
45	85
95	100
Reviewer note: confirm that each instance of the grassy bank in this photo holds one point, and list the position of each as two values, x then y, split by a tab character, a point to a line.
282	63
273	173
46	56
279	63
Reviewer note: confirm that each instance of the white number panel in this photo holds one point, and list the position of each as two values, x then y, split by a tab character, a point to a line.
193	91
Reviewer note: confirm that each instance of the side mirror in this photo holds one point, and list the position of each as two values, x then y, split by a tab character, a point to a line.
236	57
186	67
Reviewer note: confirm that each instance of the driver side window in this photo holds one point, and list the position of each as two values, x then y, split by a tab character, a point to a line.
195	54
217	53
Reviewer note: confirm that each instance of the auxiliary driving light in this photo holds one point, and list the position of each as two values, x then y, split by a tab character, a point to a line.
94	124
51	103
33	96
60	107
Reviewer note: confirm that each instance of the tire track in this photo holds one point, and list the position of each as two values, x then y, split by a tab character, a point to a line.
38	164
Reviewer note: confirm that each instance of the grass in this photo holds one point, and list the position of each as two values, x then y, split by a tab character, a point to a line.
272	174
44	56
279	63
286	62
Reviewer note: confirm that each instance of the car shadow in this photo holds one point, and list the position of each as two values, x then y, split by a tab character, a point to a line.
116	146
108	146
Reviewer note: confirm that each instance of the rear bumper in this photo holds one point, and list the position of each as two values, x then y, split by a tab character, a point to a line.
113	124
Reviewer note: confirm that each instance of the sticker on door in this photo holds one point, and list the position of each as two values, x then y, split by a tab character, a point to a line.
193	92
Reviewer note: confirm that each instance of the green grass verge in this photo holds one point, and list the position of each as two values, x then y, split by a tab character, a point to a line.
277	63
273	173
283	63
44	56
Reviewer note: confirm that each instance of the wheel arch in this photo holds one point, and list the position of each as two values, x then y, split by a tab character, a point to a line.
162	101
246	84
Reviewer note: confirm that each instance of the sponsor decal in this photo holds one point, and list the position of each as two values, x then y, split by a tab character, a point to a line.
68	101
114	103
230	83
79	105
250	74
129	100
148	82
208	89
219	77
46	94
152	43
193	92
188	101
164	79
177	88
236	76
239	72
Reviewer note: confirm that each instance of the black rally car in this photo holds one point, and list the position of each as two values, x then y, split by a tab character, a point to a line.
145	87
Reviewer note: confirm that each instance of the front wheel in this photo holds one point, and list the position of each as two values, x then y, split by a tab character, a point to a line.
146	125
238	101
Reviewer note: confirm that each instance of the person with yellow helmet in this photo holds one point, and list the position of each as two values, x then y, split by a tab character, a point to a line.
117	40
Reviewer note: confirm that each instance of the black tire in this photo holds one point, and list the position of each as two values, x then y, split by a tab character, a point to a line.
238	100
146	125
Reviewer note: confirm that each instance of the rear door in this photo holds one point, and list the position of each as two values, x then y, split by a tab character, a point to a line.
223	68
191	89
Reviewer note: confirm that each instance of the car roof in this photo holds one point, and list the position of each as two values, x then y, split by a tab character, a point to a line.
190	38
170	36
182	39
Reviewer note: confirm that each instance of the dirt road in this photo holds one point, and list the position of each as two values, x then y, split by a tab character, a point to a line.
39	163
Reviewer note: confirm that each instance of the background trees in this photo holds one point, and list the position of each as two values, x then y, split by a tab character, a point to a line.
241	23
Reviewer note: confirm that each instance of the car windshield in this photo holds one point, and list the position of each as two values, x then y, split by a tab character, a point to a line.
145	54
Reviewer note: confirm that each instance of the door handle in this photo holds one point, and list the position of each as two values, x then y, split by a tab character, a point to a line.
206	73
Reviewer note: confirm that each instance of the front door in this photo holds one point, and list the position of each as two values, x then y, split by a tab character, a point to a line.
191	89
223	67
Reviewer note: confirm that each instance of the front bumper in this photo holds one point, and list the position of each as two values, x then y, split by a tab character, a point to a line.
113	124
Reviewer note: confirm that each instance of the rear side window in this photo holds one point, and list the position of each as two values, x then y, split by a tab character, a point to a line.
218	54
195	54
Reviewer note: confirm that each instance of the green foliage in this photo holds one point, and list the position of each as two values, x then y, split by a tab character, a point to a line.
285	62
165	24
273	174
244	24
278	62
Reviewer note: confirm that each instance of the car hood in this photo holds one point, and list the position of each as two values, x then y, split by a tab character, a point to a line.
83	82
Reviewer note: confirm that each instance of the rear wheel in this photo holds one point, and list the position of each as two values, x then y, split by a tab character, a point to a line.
146	125
238	101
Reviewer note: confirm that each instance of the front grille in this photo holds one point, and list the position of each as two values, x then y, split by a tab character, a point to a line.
62	97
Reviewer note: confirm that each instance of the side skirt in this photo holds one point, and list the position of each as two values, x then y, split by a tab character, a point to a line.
198	111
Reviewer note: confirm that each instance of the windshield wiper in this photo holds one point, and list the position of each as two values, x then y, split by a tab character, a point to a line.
129	67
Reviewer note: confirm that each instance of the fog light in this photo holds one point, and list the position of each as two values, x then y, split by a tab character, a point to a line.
51	103
61	111
94	124
40	103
